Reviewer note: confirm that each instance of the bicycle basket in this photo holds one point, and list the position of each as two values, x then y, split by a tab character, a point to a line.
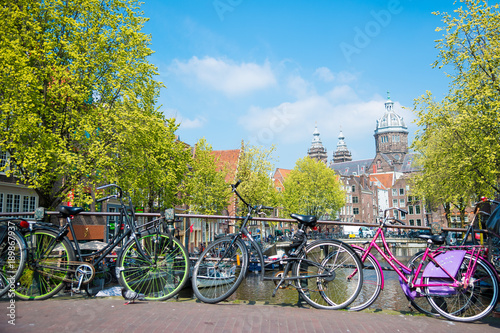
493	222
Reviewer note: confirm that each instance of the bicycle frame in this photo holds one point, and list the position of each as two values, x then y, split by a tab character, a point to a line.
411	280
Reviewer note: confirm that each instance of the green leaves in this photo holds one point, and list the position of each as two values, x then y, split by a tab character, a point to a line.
55	55
205	189
459	136
254	170
312	188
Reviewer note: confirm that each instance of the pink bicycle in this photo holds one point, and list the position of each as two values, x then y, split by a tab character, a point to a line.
456	281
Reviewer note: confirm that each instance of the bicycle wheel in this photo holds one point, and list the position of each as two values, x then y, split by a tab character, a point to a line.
46	266
330	275
420	302
12	259
372	282
471	303
161	274
219	270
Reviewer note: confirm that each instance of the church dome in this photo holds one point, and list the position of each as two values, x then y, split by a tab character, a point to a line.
390	121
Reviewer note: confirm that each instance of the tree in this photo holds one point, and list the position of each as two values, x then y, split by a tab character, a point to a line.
459	136
152	162
312	188
254	170
206	191
69	70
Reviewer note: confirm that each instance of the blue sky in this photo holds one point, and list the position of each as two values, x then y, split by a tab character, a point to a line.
266	72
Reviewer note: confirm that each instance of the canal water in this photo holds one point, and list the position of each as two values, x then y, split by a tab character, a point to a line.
390	298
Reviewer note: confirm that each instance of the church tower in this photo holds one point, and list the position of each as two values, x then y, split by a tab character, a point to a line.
391	139
317	150
342	154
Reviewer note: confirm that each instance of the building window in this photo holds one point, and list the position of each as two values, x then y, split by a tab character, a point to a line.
394	202
410	198
355	200
13	203
394	192
410	209
355	211
1	202
401	203
419	222
29	203
9	203
412	222
401	191
353	188
417	209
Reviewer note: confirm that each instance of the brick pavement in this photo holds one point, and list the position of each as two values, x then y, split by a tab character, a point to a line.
109	314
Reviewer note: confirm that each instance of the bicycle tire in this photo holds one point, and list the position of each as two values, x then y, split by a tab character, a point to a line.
345	279
473	303
215	278
12	259
372	282
43	283
420	302
162	274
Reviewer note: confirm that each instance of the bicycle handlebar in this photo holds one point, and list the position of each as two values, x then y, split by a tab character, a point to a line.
395	208
392	218
484	200
107	198
256	208
119	195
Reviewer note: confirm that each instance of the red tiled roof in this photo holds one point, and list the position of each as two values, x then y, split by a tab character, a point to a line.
280	176
382	180
228	159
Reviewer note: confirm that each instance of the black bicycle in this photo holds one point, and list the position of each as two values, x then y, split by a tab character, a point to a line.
151	262
322	271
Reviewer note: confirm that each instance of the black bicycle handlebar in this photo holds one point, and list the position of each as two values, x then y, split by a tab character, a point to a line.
107	198
256	208
119	195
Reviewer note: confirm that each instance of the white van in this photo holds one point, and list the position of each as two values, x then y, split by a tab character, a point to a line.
367	233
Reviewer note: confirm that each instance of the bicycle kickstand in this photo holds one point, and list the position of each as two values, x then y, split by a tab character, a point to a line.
277	287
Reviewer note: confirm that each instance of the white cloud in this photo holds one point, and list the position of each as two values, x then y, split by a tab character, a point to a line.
186	123
299	87
226	76
325	74
293	122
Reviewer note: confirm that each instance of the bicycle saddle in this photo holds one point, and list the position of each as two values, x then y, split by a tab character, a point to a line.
436	239
68	211
307	220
